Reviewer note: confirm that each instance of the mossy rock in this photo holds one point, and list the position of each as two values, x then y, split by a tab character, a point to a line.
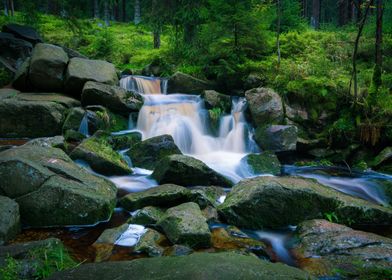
148	215
9	219
149	243
265	163
125	141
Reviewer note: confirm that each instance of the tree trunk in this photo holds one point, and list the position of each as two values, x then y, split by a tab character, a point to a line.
279	14
378	56
96	9
316	9
359	11
345	12
11	7
137	18
5	7
106	12
157	39
124	10
355	52
116	10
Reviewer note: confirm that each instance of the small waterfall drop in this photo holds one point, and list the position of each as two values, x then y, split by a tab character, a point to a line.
185	118
83	128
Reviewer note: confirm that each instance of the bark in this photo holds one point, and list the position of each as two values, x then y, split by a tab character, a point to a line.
137	18
5	7
124	10
316	9
106	12
11	7
96	9
378	55
279	13
157	39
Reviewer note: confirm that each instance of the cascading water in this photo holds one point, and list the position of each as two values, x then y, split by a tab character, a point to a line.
184	118
83	128
144	85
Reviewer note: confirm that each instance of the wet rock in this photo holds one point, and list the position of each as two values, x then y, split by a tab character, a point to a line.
148	153
149	215
98	153
211	214
185	224
51	142
178	250
163	196
277	138
265	106
104	245
149	243
282	201
198	266
9	219
184	83
265	163
305	145
52	190
116	99
296	113
383	161
214	99
206	196
74	119
32	115
47	66
253	81
324	248
81	70
13	51
21	80
125	141
187	171
23	32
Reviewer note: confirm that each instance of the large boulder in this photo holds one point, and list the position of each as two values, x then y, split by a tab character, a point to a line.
198	266
52	190
214	99
150	242
383	161
125	141
185	224
265	106
23	32
81	70
148	153
265	163
164	196
47	66
184	83
324	248
116	99
9	219
187	171
282	201
148	215
277	138
13	51
98	153
21	79
74	119
32	114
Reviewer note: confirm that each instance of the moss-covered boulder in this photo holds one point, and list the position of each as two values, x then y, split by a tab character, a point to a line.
326	249
206	196
277	138
185	224
148	153
47	67
23	32
163	196
265	106
187	171
32	115
383	161
98	153
125	141
82	70
198	266
21	79
148	215
9	219
280	201
265	163
74	119
214	99
52	142
149	243
52	190
184	83
116	99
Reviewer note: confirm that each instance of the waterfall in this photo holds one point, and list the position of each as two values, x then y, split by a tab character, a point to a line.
144	85
83	128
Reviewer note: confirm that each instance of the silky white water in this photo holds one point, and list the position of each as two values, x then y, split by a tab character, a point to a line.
185	118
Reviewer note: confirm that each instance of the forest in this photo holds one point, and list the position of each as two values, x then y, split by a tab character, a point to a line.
204	139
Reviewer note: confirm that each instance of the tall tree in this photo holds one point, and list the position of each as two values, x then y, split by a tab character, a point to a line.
96	9
316	12
378	48
6	8
279	15
106	13
124	10
137	17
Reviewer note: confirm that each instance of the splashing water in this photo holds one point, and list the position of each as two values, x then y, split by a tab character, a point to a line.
144	85
83	128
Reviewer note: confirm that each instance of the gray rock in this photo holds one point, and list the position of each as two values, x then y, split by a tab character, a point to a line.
125	141
214	99
24	32
149	215
187	171
163	196
282	201
185	224
21	79
253	81
198	266
265	163
277	138
13	51
324	248
9	219
184	83
74	119
148	153
116	99
52	190
178	250
149	243
81	70
52	142
265	106
47	66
